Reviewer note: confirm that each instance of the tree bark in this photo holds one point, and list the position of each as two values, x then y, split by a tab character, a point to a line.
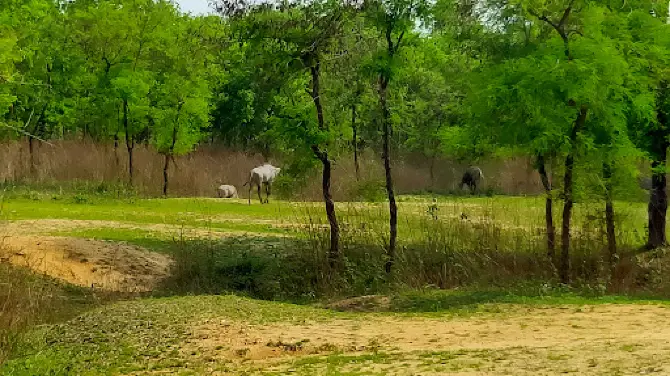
386	155
130	142
431	169
658	203
334	251
609	216
354	128
170	154
31	151
658	198
116	152
564	266
548	207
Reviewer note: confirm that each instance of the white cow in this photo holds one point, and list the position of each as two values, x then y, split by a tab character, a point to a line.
262	175
227	191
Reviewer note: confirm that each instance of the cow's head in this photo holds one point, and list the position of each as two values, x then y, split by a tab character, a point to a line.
277	169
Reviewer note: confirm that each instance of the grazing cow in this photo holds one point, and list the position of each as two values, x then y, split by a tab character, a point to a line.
472	177
227	191
262	175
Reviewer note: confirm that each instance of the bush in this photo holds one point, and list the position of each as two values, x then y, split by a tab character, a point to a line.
368	191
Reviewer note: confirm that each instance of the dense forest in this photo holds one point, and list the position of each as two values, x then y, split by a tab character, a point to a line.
579	87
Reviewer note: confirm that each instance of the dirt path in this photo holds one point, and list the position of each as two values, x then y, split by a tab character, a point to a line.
106	265
593	340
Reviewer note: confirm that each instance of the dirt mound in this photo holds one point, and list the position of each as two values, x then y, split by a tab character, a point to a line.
91	263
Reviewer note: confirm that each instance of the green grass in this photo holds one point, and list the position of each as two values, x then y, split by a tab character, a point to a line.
471	300
153	240
523	214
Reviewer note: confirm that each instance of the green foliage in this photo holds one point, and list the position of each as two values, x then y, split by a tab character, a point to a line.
369	191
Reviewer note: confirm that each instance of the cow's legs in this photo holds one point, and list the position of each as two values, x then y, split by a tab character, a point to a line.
267	193
259	192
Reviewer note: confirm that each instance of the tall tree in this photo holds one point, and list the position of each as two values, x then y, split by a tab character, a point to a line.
305	34
181	95
394	20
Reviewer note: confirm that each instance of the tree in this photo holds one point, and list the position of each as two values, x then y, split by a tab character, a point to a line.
181	95
646	49
393	19
305	35
8	56
567	82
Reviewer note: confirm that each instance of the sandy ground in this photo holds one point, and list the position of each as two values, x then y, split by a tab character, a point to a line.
105	265
592	340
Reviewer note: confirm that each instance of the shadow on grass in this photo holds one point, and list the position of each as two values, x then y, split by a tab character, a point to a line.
476	300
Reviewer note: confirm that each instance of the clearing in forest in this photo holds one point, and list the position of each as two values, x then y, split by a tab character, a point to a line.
131	246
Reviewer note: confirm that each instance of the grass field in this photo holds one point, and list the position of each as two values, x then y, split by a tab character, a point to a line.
135	286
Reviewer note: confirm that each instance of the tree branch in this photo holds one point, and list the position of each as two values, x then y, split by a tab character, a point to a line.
25	133
397	45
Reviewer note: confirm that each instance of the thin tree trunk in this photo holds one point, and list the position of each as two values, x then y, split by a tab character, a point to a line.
432	170
166	165
548	207
117	162
36	132
116	150
130	143
354	128
334	251
609	215
170	154
658	203
564	267
658	198
31	151
386	155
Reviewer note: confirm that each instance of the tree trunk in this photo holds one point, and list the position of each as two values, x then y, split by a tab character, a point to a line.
386	155
564	267
130	142
334	251
31	151
116	150
658	203
32	138
609	215
355	142
166	165
170	153
432	170
658	198
548	207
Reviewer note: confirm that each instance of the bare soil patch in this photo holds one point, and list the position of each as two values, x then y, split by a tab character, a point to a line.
593	340
106	265
43	226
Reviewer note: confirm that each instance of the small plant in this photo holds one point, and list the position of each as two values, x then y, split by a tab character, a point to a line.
80	199
432	211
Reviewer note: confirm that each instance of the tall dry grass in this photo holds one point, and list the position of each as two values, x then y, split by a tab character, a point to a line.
200	172
446	244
